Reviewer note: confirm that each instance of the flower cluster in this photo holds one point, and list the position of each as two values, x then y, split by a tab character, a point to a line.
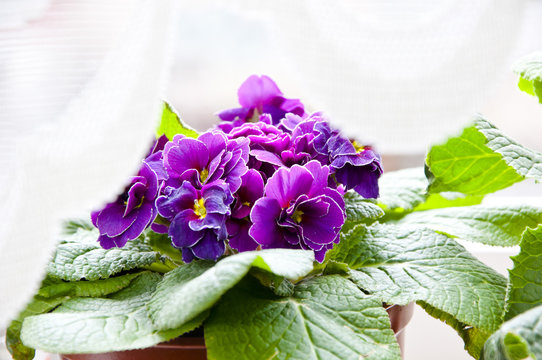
270	175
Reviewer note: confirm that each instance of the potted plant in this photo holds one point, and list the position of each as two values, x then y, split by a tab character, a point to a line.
275	236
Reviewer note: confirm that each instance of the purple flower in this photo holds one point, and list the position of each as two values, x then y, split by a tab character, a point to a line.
154	157
127	217
299	210
239	223
260	95
198	218
354	166
208	158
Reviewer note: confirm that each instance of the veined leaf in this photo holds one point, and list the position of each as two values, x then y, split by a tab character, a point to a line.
525	288
171	124
192	288
79	256
529	70
360	210
327	317
92	325
480	161
408	263
87	288
517	339
38	305
491	225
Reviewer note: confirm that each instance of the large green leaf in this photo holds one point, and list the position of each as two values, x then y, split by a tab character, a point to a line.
529	70
517	339
195	287
480	161
92	325
492	225
79	256
401	264
525	288
171	124
327	317
38	305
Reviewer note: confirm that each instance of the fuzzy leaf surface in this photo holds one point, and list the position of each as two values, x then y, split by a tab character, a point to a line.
517	339
401	264
491	225
79	256
525	288
529	70
327	317
94	325
192	288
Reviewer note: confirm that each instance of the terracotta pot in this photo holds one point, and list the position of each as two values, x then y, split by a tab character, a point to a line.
193	348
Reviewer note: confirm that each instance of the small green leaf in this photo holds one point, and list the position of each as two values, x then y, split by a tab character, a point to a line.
327	317
195	287
517	339
38	305
79	256
401	264
360	210
71	226
491	225
94	325
525	288
529	70
171	124
480	161
162	244
85	288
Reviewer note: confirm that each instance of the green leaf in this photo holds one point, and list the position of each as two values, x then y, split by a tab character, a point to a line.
448	199
480	161
71	226
38	305
360	210
401	191
473	337
409	263
525	287
171	124
519	338
162	244
87	288
93	325
195	287
529	70
327	317
79	256
491	225
405	191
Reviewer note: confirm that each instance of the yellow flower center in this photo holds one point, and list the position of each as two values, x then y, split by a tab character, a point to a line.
297	216
199	208
357	146
203	174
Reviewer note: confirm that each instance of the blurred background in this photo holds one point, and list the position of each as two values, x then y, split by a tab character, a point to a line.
400	75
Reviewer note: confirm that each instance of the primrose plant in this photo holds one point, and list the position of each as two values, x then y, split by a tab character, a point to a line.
282	238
